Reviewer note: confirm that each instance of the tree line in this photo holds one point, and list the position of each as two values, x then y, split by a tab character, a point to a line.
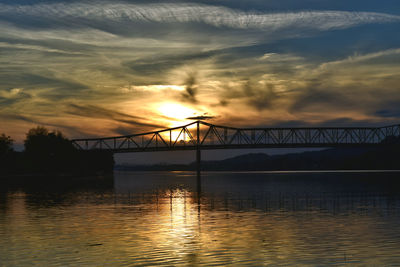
48	151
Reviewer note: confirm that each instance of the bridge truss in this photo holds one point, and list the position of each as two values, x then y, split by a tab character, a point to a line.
200	135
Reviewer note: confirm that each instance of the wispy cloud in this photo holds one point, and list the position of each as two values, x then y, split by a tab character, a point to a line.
196	13
92	111
362	57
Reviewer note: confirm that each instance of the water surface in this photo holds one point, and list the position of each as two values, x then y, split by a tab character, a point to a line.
167	218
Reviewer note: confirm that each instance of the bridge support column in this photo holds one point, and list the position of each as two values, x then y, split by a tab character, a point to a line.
198	151
198	172
198	160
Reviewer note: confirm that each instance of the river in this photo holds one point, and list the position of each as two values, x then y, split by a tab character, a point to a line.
229	218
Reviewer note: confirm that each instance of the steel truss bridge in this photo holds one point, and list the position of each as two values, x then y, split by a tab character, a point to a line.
200	135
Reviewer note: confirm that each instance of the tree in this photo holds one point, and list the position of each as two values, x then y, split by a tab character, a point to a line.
51	152
6	144
48	150
41	142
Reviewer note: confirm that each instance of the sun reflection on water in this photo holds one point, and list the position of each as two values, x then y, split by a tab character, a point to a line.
163	219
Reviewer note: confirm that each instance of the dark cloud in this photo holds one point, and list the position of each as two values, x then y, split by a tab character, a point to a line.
71	130
243	122
348	122
18	117
55	88
258	96
93	111
389	109
191	89
223	103
121	130
388	113
338	122
128	130
321	99
372	97
202	117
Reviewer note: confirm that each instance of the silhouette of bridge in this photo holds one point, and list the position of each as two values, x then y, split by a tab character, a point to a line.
200	135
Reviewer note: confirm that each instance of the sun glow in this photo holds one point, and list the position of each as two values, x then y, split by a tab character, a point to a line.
176	116
176	111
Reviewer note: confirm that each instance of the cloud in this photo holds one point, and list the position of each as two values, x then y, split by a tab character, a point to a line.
35	121
389	112
362	58
7	116
160	63
216	16
16	46
260	95
190	89
202	117
93	111
12	96
390	109
337	122
321	99
261	98
34	81
366	85
229	62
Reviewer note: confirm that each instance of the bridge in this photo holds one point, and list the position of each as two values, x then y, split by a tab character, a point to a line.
200	135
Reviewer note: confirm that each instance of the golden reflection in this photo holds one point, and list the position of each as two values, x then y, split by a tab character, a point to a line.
182	219
168	228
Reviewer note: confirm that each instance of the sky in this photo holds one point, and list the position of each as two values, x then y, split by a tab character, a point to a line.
106	68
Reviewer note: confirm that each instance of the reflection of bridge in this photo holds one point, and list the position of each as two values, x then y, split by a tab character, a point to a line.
201	135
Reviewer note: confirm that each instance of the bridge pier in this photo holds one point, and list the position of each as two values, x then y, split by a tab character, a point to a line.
198	172
198	160
198	150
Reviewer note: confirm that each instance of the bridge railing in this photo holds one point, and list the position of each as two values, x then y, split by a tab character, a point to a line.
208	136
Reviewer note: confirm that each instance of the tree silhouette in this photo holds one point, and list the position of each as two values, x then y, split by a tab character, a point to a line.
48	150
41	142
6	144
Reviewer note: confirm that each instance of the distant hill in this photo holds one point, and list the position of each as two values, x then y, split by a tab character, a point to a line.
384	157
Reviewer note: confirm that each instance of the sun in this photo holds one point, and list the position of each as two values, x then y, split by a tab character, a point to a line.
176	116
176	111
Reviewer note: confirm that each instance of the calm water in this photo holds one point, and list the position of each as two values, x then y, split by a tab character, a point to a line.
230	219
